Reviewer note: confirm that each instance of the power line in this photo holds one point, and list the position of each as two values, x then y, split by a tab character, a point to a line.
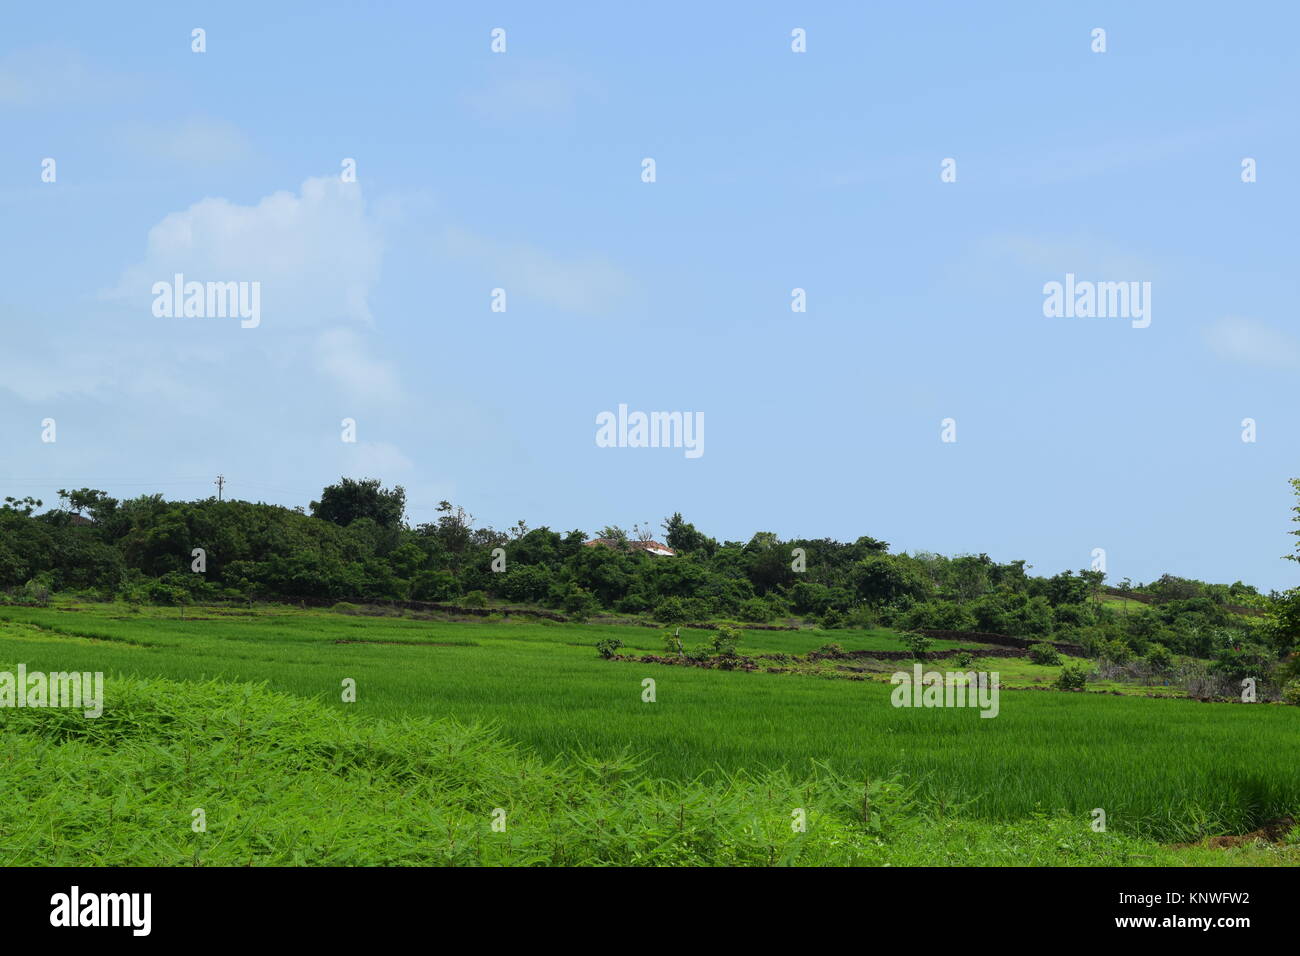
110	481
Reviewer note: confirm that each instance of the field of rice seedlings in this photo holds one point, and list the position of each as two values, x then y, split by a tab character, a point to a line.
219	774
1168	770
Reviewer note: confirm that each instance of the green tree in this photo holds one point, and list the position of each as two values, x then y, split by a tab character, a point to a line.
682	536
24	506
881	579
349	500
83	499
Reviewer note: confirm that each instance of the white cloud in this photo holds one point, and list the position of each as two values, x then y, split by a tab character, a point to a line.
588	285
197	141
1254	343
316	255
45	75
64	358
342	355
522	90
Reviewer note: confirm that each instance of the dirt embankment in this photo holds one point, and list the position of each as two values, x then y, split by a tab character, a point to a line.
1002	640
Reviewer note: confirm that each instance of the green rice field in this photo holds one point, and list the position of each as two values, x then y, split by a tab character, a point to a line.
1162	769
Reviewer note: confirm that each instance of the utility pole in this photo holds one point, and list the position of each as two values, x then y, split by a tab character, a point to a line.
220	483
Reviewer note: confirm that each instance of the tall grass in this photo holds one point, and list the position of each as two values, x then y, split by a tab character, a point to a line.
1166	769
284	781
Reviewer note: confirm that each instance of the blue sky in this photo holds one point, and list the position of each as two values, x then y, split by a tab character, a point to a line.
775	170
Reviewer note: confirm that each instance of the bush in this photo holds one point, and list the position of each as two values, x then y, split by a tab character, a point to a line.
698	609
862	617
434	586
1117	652
1072	677
526	584
607	647
1239	664
810	598
475	599
830	650
633	604
918	644
1073	615
940	616
1159	659
700	653
726	640
671	611
1291	693
1044	654
579	603
831	620
756	611
965	660
673	641
37	590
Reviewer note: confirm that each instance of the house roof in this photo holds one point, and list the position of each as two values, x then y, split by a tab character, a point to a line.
654	547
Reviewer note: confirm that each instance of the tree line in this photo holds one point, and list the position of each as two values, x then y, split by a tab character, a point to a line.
355	545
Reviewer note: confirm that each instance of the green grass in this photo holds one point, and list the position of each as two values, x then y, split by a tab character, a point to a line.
1162	769
1014	673
283	781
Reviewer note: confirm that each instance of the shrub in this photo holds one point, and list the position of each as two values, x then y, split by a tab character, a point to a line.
810	598
940	616
1044	654
965	660
756	610
1159	659
701	652
831	620
726	640
1073	615
1239	664
1291	692
1072	677
475	599
918	644
1117	652
698	609
830	650
671	611
434	586
607	647
526	583
1032	618
579	603
863	617
633	604
160	592
1289	669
